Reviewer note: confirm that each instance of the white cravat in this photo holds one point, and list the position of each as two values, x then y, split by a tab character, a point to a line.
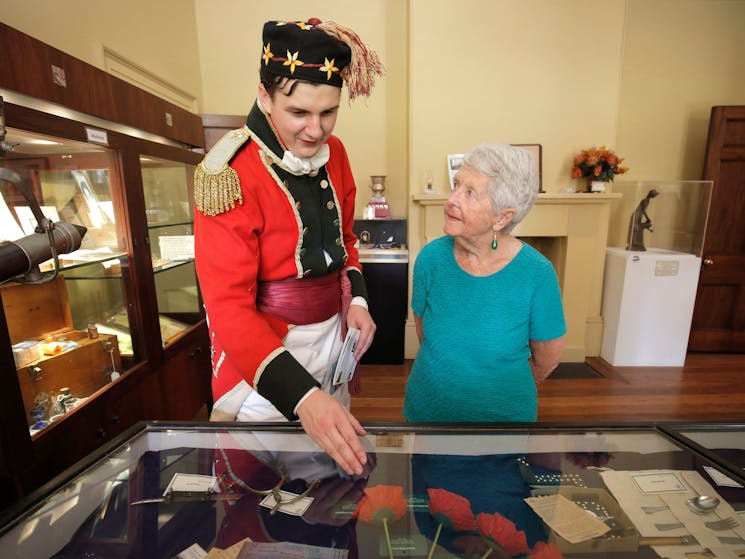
304	166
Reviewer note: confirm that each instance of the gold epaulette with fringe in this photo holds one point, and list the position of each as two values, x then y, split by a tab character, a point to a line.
216	185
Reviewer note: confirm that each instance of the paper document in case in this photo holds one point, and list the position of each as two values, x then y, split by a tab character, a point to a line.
347	363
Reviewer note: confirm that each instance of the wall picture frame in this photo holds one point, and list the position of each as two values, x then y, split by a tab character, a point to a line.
455	162
537	151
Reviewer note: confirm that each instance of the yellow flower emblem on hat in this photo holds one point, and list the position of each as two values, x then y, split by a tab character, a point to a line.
268	54
328	67
292	61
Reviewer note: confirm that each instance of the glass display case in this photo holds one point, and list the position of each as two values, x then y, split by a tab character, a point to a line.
660	216
726	442
652	268
60	320
96	325
116	336
263	490
168	187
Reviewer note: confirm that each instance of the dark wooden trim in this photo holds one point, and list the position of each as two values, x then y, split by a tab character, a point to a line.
217	125
27	68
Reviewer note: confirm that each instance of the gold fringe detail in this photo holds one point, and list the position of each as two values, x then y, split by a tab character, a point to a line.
359	75
216	193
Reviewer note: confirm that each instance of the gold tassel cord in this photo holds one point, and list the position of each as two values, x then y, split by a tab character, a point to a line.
216	193
360	74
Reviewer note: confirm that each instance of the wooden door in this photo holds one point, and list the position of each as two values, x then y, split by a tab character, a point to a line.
719	314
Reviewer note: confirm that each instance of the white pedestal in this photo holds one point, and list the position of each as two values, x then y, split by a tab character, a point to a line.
647	308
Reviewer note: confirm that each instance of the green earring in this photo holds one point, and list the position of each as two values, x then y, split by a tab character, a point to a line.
494	243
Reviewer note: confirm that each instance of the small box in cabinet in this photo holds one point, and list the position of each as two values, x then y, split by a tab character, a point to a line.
69	357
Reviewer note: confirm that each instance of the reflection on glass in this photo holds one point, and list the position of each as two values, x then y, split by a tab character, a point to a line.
58	364
168	187
451	493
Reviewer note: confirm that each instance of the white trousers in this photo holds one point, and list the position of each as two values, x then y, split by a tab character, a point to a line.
316	347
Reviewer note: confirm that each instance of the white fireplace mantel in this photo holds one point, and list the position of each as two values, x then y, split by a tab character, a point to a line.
571	229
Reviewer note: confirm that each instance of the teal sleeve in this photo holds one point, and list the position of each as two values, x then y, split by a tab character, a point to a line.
547	321
419	285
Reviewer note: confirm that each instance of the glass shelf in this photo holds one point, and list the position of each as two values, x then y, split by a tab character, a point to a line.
187	224
170	265
110	265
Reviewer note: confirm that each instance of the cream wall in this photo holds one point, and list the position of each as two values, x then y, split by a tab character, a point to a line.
680	59
513	71
374	131
157	36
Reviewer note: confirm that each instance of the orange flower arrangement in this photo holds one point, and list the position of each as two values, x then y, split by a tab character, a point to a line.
503	532
381	504
600	164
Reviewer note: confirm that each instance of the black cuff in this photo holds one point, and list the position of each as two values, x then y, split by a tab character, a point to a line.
284	382
359	287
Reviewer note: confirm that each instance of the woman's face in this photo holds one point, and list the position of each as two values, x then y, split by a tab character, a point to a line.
305	119
468	210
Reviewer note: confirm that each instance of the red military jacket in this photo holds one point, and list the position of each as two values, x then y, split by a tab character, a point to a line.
258	221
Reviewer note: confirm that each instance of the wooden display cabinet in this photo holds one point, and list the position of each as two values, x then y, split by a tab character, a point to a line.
129	187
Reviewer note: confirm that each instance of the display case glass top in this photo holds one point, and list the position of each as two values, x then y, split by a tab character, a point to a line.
468	492
70	331
726	442
665	217
168	188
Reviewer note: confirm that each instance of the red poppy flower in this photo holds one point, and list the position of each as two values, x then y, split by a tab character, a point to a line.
503	532
545	551
451	510
382	502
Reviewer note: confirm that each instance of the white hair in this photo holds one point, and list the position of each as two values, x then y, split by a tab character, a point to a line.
513	182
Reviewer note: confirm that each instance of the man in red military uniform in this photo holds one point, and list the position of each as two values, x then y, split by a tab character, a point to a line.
275	252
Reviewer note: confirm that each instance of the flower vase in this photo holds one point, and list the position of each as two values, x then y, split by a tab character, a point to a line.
598	186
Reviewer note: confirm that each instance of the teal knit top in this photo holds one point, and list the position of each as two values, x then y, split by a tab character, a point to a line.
473	361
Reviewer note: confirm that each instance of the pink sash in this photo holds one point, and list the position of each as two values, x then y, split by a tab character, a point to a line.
301	301
308	301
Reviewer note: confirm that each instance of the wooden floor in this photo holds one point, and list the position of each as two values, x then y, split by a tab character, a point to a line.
710	387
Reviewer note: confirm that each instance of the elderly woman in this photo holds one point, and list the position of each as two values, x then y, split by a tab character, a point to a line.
487	306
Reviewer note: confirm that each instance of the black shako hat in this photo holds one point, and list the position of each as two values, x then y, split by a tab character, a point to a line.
320	52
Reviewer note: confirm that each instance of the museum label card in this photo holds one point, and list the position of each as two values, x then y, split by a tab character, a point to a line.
659	483
190	482
290	503
176	247
194	551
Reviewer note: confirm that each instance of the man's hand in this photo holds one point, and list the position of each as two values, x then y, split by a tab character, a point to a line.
335	429
332	493
358	317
